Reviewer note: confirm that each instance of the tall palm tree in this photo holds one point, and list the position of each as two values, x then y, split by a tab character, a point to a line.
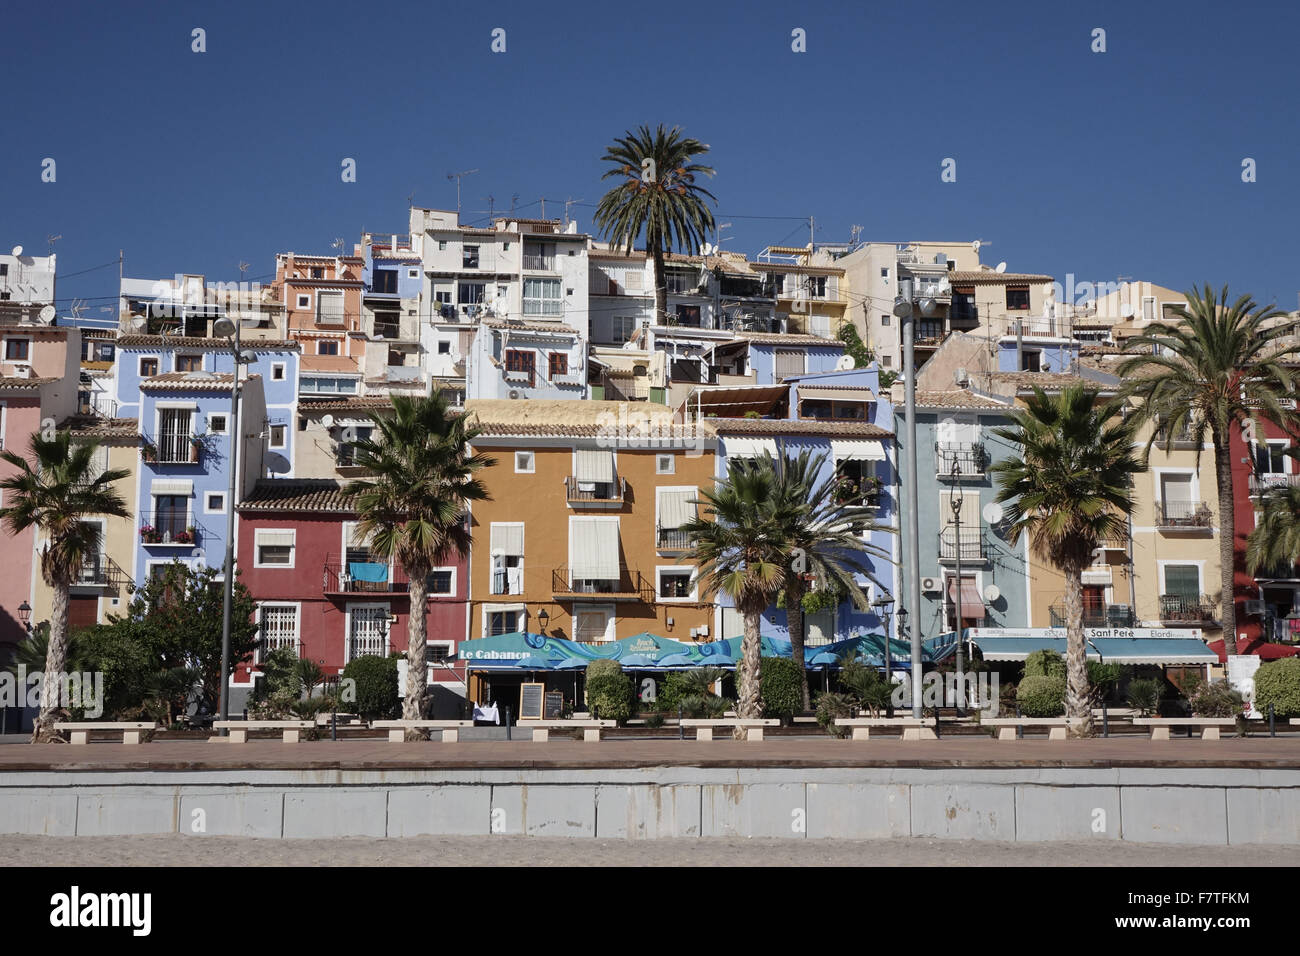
1276	539
659	197
1215	368
739	546
1070	487
413	506
54	491
827	535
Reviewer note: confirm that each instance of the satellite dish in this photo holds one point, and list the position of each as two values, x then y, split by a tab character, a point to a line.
902	307
975	245
992	512
927	306
327	421
1001	267
18	250
991	593
845	363
138	323
47	314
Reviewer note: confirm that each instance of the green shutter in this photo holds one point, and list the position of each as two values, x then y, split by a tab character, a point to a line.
1183	580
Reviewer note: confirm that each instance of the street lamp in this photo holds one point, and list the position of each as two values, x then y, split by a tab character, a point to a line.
955	504
912	533
227	328
884	606
543	619
25	616
902	629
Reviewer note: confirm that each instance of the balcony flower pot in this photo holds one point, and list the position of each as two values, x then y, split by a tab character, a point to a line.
150	535
149	452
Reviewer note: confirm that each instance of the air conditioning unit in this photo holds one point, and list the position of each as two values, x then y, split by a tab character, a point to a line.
1256	608
22	371
961	377
931	585
514	393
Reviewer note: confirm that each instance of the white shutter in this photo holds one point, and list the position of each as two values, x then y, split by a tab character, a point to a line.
282	539
507	539
595	549
675	508
595	464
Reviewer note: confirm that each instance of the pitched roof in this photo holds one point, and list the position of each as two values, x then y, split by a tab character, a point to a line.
297	494
194	341
555	327
789	338
770	426
190	382
993	277
108	429
307	406
25	384
1047	381
957	398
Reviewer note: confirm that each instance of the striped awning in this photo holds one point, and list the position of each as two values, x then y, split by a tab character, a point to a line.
282	539
829	393
508	539
750	447
595	549
844	449
171	486
675	507
972	605
595	464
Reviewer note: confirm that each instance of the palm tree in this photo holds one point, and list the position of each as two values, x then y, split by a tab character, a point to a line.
1069	489
1275	542
413	507
740	548
1219	366
658	195
55	492
827	536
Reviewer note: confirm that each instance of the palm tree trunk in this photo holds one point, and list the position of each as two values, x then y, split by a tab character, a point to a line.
1227	543
661	280
1078	709
56	662
794	592
416	650
750	704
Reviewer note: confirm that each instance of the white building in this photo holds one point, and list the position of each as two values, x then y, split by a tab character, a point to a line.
26	279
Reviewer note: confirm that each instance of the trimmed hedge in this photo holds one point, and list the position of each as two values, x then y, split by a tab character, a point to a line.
1278	683
1045	663
376	689
609	690
781	687
1041	696
1215	699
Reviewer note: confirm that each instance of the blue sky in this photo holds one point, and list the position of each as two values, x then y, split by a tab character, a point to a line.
1126	162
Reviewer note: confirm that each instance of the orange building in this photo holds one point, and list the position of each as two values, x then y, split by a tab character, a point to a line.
322	307
580	539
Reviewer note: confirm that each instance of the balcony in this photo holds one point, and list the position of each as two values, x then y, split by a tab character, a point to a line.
363	577
973	548
535	263
1096	615
672	541
968	457
1181	609
100	571
1262	484
1040	327
629	586
171	448
595	492
169	529
1192	516
1183	438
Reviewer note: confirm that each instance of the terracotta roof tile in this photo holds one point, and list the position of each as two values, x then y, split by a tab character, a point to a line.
791	338
957	398
769	426
25	384
992	277
194	341
368	402
88	426
295	494
190	382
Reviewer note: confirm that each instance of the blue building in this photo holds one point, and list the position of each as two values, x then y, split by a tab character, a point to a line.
526	360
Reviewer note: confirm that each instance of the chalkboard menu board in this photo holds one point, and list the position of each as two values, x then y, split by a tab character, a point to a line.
530	701
554	706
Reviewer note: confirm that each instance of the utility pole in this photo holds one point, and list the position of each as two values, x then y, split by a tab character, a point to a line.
955	504
543	207
912	539
567	204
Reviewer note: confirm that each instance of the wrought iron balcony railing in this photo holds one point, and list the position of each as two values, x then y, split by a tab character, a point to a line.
613	491
1096	615
967	456
1194	515
630	585
971	545
673	539
363	577
1177	608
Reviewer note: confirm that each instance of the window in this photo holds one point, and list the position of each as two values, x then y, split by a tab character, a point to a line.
884	319
171	517
273	549
106	353
502	622
327	386
506	543
412	273
1031	361
525	463
278	436
279	627
442	245
441	581
4	268
1148	308
214	503
521	364
675	583
444	348
217	423
17	350
327	348
175	431
886	361
469	257
539	255
665	464
558	364
329	308
542	297
439	650
148	366
789	362
622	327
1183	582
1270	459
304	301
817	287
347	452
1017	297
277	371
470	293
384	282
189	363
317	272
884	273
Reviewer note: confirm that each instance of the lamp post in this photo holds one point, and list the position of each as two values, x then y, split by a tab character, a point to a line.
25	616
229	329
902	629
542	620
884	605
912	537
955	504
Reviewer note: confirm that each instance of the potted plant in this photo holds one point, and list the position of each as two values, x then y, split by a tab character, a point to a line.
148	451
149	534
184	537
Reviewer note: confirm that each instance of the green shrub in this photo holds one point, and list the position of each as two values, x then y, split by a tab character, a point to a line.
670	691
609	691
279	673
1215	699
1102	678
1278	683
831	706
781	687
1040	695
865	684
654	721
1045	663
1144	694
376	686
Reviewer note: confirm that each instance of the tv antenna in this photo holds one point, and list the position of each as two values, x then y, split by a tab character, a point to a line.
567	204
52	240
458	177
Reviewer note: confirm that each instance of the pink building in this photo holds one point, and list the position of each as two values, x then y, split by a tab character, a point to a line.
320	594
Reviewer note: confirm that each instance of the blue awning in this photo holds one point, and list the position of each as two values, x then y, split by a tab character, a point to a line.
1112	650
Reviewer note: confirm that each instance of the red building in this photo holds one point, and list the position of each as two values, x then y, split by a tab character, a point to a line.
320	593
1266	599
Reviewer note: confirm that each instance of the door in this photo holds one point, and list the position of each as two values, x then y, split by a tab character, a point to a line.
171	515
1094	605
83	611
367	630
591	625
